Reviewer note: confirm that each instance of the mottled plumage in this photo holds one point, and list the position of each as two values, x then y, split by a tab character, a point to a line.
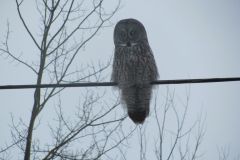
134	67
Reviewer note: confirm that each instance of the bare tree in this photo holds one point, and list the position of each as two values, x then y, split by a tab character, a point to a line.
65	28
177	143
174	139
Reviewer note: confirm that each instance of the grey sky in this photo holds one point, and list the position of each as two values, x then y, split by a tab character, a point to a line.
190	39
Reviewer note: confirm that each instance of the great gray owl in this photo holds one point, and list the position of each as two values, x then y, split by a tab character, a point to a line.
134	67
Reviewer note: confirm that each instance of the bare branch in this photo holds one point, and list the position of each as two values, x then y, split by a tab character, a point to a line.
8	52
24	23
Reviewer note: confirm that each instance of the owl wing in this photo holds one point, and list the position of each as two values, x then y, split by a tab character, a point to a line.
146	71
115	69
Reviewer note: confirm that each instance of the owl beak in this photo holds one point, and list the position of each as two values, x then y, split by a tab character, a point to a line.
129	44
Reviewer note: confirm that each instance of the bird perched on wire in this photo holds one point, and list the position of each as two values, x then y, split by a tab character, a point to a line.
134	67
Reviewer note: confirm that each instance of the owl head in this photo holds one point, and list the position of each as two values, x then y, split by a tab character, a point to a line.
129	32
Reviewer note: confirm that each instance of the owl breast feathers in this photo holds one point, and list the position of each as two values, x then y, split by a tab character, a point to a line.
134	68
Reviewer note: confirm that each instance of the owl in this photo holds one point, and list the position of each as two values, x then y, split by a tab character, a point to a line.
134	68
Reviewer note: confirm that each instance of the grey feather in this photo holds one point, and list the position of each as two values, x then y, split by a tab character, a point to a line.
134	67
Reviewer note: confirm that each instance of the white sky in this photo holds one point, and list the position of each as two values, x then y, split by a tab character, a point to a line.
190	39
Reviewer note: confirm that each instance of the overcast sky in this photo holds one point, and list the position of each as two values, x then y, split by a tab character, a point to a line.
189	39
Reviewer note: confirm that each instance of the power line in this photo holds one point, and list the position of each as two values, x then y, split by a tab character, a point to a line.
101	84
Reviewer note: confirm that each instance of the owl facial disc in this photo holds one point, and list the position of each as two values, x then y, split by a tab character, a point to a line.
129	33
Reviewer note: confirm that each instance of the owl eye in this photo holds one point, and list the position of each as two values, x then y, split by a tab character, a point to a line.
123	34
132	33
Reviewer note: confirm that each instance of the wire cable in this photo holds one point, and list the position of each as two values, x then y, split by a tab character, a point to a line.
102	84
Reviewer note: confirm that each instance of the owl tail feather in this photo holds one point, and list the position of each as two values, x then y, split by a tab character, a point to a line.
137	99
137	117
